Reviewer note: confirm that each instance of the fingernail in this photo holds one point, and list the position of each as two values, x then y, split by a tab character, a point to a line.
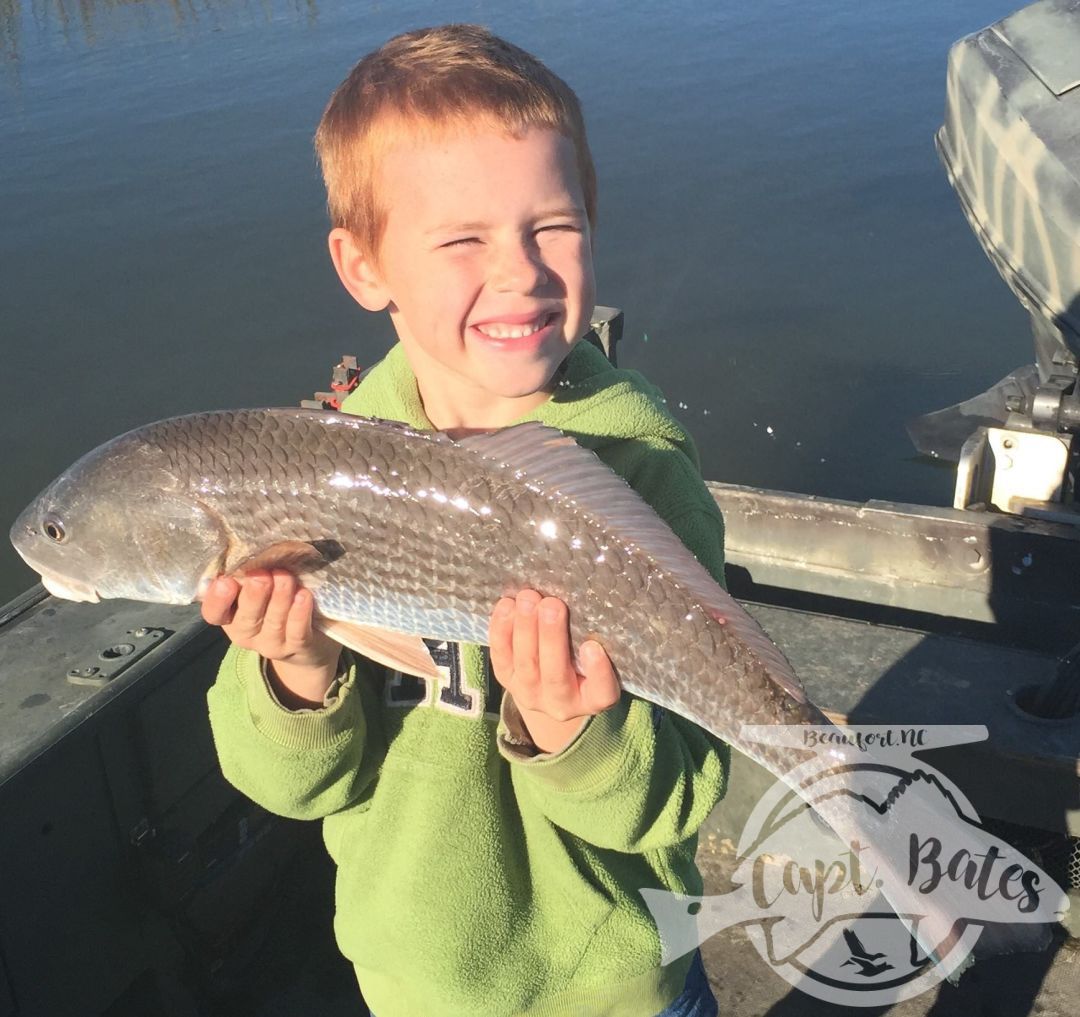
592	652
504	609
549	613
527	606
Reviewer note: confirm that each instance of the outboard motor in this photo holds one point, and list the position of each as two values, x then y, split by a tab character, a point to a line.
1011	146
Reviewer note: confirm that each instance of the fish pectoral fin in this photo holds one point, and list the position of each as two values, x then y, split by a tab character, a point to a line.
300	557
396	650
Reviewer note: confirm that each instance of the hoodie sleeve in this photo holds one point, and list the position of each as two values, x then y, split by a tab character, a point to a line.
303	764
637	777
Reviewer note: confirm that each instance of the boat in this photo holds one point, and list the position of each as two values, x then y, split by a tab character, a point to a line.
135	881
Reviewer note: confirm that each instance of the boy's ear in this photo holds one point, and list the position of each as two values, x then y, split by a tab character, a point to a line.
357	271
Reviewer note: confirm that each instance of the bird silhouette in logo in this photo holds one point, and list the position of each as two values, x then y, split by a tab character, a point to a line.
862	958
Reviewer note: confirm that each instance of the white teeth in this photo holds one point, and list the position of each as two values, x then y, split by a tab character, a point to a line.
496	330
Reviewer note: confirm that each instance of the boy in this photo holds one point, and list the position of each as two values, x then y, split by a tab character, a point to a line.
492	831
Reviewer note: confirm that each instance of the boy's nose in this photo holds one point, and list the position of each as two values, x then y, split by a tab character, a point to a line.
519	269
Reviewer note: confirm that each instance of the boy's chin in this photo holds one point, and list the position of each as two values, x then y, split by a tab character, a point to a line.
540	384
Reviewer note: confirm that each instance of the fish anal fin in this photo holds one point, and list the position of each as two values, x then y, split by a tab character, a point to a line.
394	649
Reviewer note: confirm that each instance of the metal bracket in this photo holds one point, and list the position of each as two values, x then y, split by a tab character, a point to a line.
605	330
1015	471
111	660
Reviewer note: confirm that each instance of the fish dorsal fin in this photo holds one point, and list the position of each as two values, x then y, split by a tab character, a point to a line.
520	444
553	461
396	650
350	421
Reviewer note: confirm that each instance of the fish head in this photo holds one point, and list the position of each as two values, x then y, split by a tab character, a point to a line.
120	523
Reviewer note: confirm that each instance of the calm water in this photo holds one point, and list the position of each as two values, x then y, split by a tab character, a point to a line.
795	270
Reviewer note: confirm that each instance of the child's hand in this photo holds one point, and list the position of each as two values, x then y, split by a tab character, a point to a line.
530	655
271	613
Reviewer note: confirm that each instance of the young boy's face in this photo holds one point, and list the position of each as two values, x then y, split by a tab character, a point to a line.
486	267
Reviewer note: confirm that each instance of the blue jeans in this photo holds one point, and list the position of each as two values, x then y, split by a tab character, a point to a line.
696	999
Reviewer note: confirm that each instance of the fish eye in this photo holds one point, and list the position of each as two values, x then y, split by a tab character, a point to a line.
54	529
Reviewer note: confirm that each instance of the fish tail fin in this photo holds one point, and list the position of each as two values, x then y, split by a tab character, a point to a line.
999	938
996	939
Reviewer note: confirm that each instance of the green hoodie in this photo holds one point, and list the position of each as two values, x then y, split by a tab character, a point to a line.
476	875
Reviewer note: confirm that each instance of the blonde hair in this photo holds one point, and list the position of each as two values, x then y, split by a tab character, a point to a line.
429	81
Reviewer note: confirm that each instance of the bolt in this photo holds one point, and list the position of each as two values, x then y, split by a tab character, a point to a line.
83	672
119	650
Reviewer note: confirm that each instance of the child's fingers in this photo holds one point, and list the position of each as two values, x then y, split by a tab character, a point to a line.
255	591
219	603
526	640
500	640
278	606
558	677
529	646
600	688
299	625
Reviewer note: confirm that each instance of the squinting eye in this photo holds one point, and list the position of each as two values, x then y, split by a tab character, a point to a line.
54	529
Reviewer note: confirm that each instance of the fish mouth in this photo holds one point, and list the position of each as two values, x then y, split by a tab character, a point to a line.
69	589
59	586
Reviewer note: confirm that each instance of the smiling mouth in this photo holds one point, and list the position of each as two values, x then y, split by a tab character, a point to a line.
506	330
